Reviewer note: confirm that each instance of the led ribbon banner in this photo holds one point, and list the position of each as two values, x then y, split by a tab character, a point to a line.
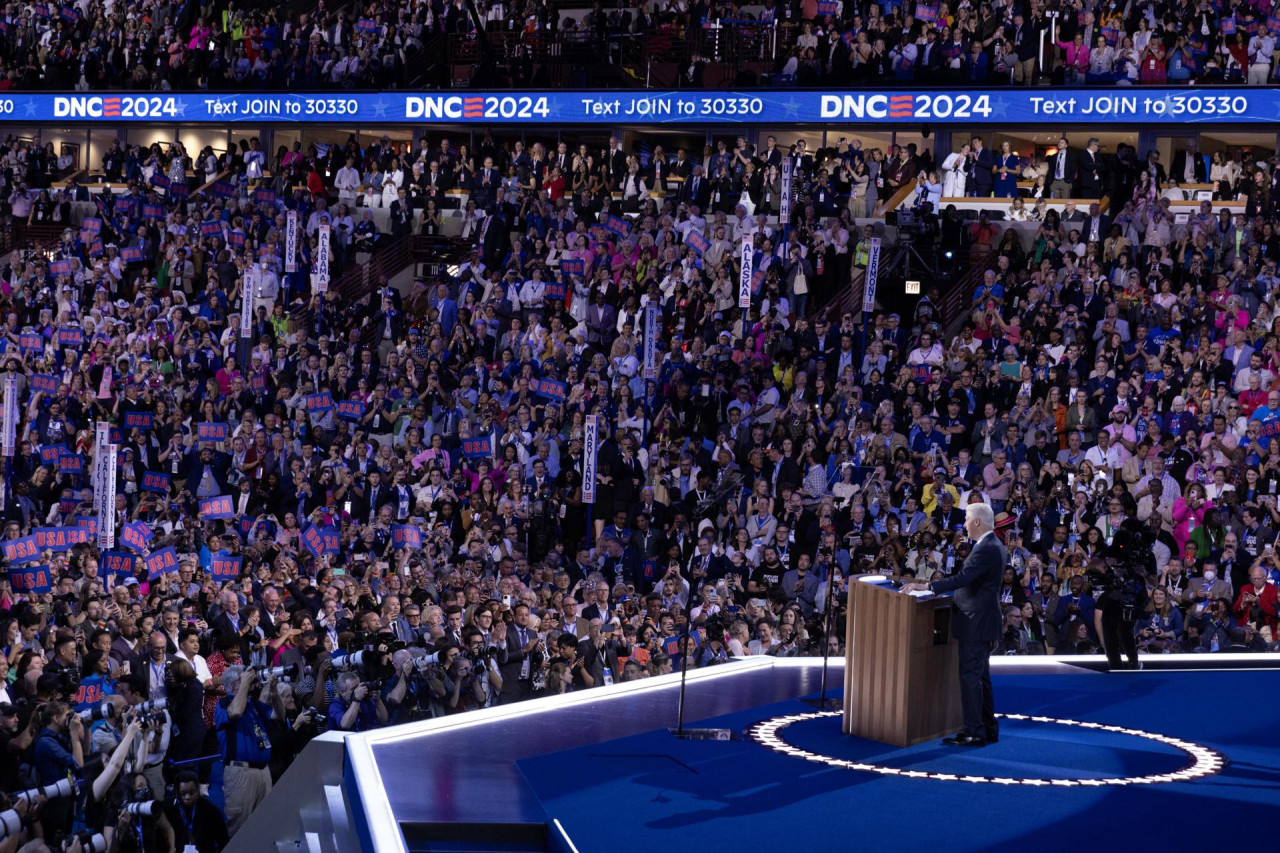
1169	106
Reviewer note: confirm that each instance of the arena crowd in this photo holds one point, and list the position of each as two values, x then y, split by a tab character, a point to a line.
155	46
375	512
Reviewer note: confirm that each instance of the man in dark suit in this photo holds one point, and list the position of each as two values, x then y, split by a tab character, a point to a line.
1062	170
781	471
495	240
1096	226
524	652
151	667
976	624
929	58
1196	171
616	160
656	510
697	189
206	472
401	215
983	164
484	184
599	656
1090	171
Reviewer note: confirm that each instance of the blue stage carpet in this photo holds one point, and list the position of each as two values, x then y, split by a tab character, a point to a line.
651	792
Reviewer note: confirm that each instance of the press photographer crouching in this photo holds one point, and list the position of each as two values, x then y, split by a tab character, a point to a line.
1122	592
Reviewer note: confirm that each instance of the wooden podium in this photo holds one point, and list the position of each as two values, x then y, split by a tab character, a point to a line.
901	677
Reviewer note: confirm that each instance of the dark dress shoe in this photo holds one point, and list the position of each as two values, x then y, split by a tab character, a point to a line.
963	739
992	737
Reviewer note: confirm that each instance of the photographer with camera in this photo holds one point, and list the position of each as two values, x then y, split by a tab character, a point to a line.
66	661
142	825
1130	569
358	707
57	753
485	675
405	699
243	740
157	727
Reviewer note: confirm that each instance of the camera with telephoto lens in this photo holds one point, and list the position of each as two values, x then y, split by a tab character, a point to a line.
90	842
101	711
150	808
152	720
283	673
480	663
151	706
375	656
350	660
425	662
57	790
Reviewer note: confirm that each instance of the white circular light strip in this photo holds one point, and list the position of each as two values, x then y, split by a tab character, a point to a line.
1205	761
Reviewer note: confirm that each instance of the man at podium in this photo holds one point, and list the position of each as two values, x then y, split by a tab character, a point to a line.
976	623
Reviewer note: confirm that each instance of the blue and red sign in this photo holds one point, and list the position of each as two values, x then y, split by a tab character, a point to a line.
210	431
59	538
216	508
162	562
321	540
351	410
21	550
477	448
119	564
225	567
406	536
34	580
156	481
135	535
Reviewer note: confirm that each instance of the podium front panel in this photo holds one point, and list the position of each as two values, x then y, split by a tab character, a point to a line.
901	677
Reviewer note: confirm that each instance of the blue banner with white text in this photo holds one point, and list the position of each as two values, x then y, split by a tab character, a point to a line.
1157	105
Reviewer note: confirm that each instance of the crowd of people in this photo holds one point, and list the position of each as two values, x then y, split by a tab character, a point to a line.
1081	42
372	510
153	45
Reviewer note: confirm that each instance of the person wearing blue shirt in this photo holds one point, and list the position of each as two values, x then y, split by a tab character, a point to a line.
59	748
356	708
989	291
1076	604
926	439
241	724
58	753
1161	631
1269	415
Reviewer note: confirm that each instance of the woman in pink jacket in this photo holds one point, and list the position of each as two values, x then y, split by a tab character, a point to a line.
1188	514
1076	60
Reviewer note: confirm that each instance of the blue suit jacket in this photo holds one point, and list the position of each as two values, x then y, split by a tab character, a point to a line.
976	604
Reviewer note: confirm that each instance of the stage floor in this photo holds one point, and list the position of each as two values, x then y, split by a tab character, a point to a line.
1161	757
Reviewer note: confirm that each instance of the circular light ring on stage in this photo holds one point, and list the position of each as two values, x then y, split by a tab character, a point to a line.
1205	761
